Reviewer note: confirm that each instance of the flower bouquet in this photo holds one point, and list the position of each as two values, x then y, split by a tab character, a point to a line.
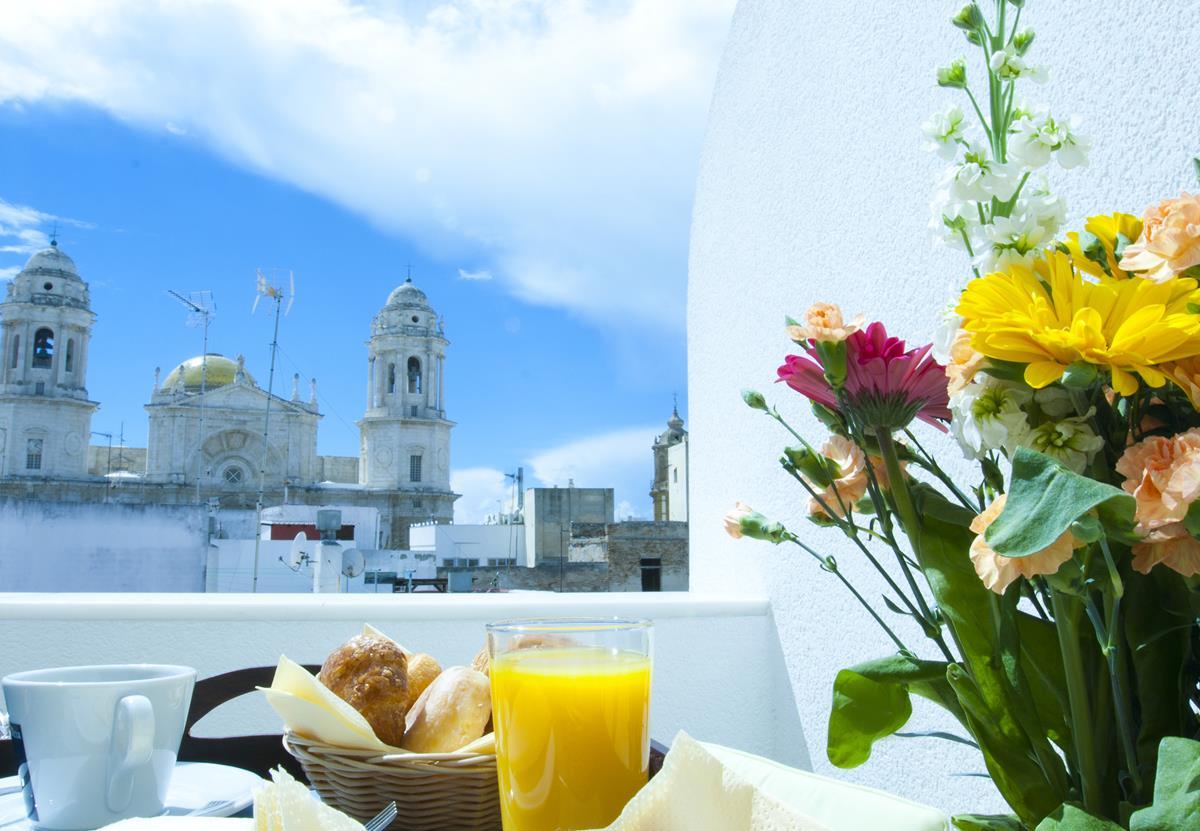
1059	592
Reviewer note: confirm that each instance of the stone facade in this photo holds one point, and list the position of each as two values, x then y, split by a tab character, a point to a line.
45	329
550	514
602	557
207	418
668	492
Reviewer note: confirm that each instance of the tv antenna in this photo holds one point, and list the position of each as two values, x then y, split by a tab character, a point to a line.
269	285
201	309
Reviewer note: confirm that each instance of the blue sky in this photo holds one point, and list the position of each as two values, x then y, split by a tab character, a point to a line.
183	150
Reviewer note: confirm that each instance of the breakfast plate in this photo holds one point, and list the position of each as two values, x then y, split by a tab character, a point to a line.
197	789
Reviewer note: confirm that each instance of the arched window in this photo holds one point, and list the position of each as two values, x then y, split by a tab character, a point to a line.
414	375
16	352
43	348
70	362
391	378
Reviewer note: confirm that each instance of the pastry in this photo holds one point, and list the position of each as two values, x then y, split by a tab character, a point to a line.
451	713
422	671
482	662
371	675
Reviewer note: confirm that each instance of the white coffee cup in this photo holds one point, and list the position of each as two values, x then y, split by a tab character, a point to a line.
97	744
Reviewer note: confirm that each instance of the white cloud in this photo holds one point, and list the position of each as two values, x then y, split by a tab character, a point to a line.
481	274
554	140
19	229
621	459
485	491
8	273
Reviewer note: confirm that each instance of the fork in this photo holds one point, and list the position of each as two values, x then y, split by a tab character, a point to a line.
383	819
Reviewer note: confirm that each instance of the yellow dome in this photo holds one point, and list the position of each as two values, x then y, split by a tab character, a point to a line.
217	370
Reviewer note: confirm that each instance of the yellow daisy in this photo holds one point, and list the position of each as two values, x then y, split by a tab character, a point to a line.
1049	317
1105	229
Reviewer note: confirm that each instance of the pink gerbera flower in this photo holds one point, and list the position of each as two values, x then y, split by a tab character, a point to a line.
886	387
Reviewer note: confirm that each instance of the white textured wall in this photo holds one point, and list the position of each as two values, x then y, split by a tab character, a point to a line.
814	186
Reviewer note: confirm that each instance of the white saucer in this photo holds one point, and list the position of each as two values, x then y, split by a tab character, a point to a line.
197	789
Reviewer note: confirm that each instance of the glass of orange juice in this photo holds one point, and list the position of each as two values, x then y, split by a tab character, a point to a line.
571	708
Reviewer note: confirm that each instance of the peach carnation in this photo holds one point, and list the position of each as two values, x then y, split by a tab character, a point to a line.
824	322
1163	476
965	362
1170	240
849	476
1185	374
999	572
733	519
1172	546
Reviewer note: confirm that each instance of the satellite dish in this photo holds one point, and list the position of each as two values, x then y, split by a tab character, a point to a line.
353	562
299	550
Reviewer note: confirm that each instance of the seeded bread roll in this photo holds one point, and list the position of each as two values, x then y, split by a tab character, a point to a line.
371	675
451	713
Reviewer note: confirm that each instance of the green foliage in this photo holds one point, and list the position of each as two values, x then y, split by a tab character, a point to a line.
1070	817
1045	498
987	822
871	701
1176	789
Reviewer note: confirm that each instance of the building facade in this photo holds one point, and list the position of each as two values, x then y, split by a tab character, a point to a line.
45	330
215	437
668	492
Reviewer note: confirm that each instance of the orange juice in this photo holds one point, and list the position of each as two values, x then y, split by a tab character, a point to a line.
572	735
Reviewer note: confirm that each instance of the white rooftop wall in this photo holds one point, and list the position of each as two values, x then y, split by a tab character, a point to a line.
814	186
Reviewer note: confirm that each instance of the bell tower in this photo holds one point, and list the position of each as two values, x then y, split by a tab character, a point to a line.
404	433
45	330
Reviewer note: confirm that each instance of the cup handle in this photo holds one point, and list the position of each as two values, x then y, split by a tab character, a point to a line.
131	747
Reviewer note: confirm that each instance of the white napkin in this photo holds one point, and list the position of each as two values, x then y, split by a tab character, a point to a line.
695	791
181	824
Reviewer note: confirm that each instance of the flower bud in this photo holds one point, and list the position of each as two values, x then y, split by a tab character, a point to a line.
953	74
754	400
833	358
969	18
830	418
812	466
1079	376
1087	528
1017	3
744	521
1196	164
1022	40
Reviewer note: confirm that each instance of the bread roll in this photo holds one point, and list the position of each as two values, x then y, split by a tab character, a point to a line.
422	671
451	713
371	675
482	662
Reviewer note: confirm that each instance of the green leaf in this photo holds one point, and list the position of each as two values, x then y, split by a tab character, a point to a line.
982	688
1176	789
870	701
987	822
1069	817
1044	498
1155	615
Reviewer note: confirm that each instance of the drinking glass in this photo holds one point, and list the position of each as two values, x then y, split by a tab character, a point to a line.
571	708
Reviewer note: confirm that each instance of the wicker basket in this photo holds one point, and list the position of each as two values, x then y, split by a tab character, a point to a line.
433	791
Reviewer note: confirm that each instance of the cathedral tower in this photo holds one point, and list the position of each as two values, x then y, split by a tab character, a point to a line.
45	328
404	434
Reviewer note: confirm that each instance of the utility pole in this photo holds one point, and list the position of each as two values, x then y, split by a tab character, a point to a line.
266	289
201	307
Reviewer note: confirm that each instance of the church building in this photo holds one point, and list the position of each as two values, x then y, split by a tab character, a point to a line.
216	437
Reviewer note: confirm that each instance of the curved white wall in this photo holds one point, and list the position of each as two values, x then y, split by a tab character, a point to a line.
814	186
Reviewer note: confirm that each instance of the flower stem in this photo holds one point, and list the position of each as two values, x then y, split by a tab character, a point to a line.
829	565
1066	620
911	525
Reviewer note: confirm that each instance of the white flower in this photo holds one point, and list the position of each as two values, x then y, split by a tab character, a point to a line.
1034	139
1046	209
1074	148
1014	240
978	177
944	334
1054	401
1009	66
944	132
987	416
951	218
1070	440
